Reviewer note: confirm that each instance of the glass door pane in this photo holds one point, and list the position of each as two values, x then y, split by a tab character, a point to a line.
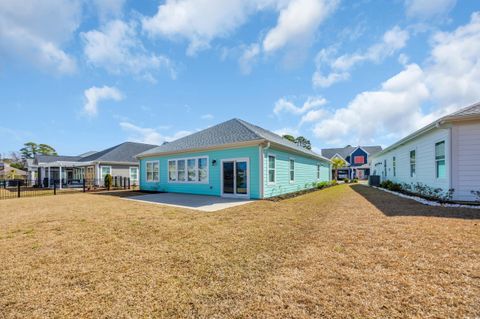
241	179
228	178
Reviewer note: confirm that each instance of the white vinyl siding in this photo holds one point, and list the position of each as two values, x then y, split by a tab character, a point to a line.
466	159
424	168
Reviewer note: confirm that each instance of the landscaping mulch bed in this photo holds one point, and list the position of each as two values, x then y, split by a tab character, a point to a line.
346	251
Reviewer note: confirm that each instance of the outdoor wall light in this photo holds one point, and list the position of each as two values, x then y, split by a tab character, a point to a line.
214	162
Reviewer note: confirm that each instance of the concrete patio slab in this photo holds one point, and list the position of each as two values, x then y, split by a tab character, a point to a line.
198	202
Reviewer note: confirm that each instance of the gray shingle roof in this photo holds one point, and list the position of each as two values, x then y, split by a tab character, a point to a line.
471	110
124	152
229	132
55	158
347	150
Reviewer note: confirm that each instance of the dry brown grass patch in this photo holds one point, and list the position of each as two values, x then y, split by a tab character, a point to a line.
332	253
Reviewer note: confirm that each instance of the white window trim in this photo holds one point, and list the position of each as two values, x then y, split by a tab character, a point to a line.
394	165
109	170
234	160
130	173
146	172
274	169
435	159
186	181
410	164
290	170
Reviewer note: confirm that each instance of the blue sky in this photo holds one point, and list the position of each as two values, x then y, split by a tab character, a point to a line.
86	75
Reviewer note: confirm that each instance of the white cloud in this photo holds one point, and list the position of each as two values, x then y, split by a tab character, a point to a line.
394	108
95	94
248	57
29	33
313	116
287	131
207	117
117	48
426	9
284	105
150	135
108	9
297	22
198	21
201	21
449	80
392	41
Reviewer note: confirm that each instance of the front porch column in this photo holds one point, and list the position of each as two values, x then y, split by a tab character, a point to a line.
60	173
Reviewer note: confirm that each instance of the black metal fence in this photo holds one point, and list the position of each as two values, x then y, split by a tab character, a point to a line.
31	188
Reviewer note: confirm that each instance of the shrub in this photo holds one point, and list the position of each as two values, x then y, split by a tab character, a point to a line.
108	181
321	185
388	184
333	182
346	180
355	180
476	194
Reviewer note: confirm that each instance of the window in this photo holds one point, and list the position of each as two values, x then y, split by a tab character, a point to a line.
188	170
412	163
271	169
318	171
385	168
181	170
152	171
105	170
133	174
440	159
359	160
394	165
79	173
203	170
292	170
172	171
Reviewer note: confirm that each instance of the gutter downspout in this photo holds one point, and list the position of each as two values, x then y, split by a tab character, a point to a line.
262	191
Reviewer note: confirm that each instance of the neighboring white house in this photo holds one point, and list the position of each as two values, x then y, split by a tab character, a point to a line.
444	154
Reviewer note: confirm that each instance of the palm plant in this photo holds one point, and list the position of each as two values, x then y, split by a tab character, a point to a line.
336	164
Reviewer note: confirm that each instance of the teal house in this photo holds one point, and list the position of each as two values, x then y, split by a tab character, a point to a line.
232	159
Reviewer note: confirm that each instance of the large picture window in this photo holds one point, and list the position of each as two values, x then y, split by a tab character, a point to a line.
152	171
413	163
271	169
440	167
188	170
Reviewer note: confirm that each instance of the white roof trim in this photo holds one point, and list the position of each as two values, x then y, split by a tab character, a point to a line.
359	147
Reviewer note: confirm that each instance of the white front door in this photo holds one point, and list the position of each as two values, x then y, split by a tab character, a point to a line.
235	178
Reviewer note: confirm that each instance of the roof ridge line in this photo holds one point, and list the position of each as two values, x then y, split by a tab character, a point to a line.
243	123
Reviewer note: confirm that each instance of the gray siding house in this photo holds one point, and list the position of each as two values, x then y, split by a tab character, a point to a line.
118	161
